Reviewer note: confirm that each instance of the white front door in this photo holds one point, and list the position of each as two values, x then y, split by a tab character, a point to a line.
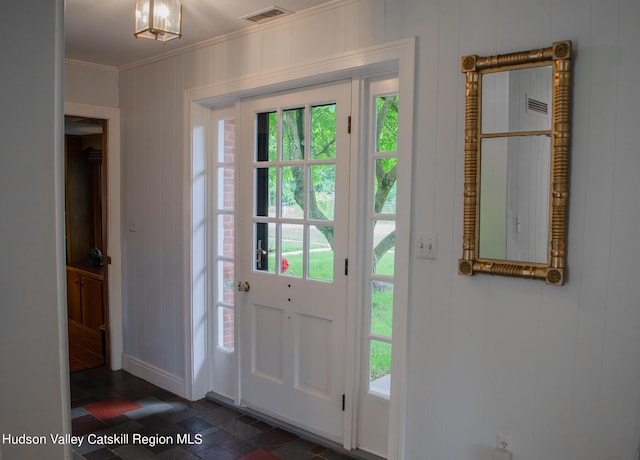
294	213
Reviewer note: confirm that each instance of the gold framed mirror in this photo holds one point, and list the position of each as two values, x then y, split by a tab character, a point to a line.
516	164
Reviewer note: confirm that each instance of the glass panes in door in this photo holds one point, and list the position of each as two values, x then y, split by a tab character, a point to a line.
295	179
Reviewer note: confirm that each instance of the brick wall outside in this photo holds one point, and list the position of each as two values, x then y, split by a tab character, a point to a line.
228	233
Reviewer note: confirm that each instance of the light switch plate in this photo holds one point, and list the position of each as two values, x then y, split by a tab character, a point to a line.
426	245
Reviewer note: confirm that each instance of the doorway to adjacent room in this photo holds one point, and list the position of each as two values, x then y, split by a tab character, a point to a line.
86	241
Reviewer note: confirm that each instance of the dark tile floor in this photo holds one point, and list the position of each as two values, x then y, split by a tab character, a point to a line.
117	415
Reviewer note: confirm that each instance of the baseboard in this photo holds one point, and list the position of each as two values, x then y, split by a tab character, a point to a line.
153	374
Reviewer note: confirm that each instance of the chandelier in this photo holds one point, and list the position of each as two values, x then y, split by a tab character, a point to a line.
158	19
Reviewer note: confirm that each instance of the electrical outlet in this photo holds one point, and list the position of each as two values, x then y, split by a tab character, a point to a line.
504	442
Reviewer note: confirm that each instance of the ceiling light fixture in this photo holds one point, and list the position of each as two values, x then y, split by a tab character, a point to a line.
158	19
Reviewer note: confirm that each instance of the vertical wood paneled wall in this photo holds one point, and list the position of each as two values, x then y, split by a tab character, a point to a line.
557	369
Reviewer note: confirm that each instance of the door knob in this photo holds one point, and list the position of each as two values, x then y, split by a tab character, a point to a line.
243	286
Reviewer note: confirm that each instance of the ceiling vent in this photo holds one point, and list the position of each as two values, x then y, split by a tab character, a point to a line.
268	14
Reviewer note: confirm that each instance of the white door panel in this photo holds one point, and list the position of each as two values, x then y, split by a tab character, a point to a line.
293	344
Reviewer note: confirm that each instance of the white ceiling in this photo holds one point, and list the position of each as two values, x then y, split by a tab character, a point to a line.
101	31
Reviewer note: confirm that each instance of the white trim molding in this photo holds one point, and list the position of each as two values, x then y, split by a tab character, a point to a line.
153	374
396	57
91	65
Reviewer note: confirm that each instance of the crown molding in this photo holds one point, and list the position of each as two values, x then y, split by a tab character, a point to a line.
241	33
91	65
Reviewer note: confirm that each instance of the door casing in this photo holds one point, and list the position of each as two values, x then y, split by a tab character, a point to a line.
391	58
111	116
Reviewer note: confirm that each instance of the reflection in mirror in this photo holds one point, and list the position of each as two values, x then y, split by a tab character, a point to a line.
514	198
517	100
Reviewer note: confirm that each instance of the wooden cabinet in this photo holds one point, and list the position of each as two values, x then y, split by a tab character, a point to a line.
74	304
85	303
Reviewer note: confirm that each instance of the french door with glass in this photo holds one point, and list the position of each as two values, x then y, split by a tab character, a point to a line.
294	211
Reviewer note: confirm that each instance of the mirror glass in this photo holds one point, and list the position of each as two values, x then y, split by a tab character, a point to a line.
516	145
517	100
514	198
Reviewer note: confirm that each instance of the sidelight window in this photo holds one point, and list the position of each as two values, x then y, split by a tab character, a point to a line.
382	162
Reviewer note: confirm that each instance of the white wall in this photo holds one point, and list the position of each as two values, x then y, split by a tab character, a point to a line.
151	102
34	388
86	83
554	368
